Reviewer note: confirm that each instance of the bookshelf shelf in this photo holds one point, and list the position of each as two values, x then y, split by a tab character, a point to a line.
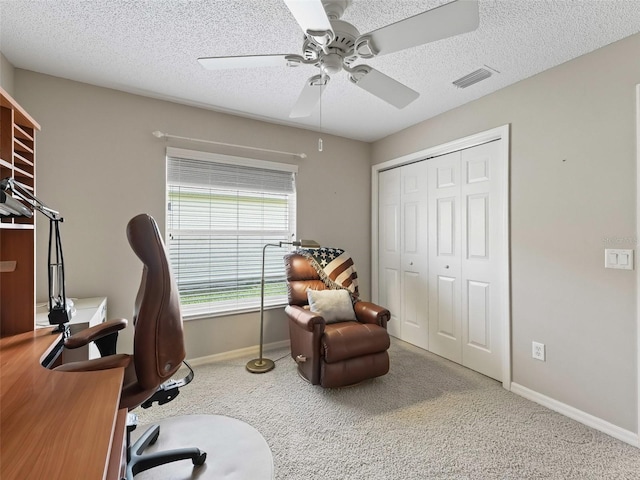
17	235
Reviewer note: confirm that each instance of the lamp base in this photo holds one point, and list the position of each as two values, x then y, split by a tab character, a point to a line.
260	365
59	315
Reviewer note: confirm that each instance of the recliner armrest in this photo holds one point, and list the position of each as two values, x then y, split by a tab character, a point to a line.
367	312
305	332
304	318
94	333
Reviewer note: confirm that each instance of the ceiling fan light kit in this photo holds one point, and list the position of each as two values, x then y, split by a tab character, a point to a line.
333	45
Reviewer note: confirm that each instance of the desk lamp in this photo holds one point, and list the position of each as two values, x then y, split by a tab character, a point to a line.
59	311
260	364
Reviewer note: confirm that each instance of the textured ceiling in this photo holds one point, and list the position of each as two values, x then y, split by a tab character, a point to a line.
151	48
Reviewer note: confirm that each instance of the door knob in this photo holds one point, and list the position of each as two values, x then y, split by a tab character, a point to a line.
446	266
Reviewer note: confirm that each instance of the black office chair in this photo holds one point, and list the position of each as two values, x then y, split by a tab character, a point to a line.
158	350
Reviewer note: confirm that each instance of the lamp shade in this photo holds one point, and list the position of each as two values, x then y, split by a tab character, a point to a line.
306	244
11	206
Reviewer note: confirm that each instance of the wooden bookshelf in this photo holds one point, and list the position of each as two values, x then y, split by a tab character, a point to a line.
17	235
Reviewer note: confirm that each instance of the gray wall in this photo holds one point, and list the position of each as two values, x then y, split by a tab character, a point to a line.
98	163
6	74
573	186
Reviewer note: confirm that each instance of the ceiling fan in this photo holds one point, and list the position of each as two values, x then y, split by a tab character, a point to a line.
332	45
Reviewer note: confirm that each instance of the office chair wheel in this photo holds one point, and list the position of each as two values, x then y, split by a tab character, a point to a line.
200	459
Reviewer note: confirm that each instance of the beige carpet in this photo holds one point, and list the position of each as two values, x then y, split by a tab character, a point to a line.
427	419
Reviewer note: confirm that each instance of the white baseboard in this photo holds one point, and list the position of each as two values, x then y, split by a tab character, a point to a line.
578	415
241	352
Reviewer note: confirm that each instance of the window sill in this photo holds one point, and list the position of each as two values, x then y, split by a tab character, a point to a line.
228	313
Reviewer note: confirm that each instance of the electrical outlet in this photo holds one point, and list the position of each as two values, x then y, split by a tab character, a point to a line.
537	351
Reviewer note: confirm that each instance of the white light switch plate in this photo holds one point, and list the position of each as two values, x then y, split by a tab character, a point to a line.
618	258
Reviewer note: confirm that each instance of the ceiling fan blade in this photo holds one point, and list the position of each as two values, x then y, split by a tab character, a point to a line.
309	14
459	16
245	61
310	96
383	87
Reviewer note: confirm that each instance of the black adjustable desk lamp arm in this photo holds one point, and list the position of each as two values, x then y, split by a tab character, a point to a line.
59	312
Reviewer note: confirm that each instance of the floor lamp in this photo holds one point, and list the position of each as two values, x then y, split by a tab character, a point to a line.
260	364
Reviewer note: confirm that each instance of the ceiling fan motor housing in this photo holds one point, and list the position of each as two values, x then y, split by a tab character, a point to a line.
345	35
334	56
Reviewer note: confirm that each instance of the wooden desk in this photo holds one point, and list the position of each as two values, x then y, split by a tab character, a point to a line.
55	425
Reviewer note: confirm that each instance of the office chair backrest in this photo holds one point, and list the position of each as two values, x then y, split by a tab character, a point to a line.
158	346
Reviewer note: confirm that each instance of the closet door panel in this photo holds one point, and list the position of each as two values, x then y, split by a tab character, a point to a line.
414	255
444	232
389	270
481	204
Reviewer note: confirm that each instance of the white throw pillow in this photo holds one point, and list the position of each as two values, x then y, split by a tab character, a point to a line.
333	305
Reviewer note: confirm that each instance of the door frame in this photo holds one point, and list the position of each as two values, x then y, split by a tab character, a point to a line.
499	133
637	262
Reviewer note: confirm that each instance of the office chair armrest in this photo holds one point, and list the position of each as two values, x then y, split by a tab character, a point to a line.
94	333
304	318
368	312
102	363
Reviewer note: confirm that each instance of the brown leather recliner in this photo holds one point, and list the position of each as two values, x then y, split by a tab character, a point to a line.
335	354
158	349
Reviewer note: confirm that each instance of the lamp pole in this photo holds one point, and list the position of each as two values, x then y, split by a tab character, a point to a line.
260	364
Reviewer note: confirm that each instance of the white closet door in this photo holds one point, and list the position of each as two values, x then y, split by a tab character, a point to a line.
414	255
482	231
389	269
445	335
441	270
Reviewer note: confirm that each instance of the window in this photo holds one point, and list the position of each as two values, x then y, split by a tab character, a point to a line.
221	212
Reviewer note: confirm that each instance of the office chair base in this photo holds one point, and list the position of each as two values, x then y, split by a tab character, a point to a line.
139	462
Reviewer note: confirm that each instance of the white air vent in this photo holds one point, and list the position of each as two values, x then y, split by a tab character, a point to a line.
473	77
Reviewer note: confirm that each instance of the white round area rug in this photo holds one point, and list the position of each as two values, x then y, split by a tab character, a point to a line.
235	450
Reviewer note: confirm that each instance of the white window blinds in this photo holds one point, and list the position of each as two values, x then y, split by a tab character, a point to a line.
221	212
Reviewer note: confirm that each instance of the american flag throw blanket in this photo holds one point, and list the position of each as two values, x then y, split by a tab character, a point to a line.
334	266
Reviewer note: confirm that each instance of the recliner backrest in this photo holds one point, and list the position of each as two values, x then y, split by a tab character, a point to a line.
158	349
300	277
